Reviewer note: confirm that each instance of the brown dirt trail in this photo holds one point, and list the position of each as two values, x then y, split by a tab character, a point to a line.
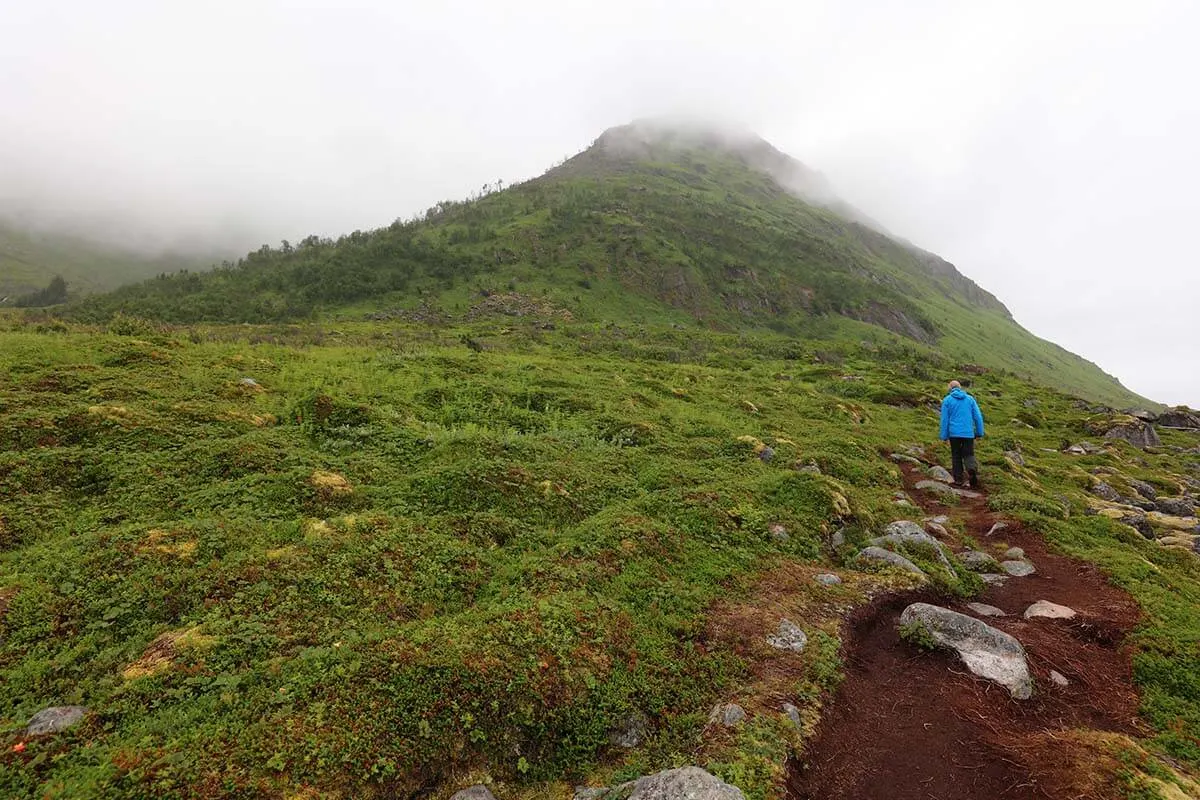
913	725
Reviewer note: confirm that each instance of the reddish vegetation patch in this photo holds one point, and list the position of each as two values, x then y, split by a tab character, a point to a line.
906	724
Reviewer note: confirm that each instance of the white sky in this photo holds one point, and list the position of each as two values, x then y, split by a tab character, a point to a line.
1049	149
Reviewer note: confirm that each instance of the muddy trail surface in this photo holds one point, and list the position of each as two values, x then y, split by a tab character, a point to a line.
906	723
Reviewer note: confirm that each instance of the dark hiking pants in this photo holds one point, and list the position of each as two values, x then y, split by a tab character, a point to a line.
962	453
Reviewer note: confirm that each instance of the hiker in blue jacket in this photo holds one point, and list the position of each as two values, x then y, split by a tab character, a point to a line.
962	424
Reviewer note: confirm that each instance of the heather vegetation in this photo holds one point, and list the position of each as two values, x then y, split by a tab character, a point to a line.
517	492
369	560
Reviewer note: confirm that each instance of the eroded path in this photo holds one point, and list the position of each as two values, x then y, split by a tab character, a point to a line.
911	724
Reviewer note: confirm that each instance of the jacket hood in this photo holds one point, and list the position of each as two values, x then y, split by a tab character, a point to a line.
958	394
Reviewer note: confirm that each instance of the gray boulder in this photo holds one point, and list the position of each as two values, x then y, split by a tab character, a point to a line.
778	533
1015	457
827	579
881	556
984	610
1139	523
1175	506
999	526
685	783
1014	554
902	526
904	459
1048	610
630	731
476	792
55	719
1106	492
1136	432
1018	569
766	454
788	637
918	538
978	561
793	714
728	715
1144	489
1179	417
590	792
939	473
987	652
937	487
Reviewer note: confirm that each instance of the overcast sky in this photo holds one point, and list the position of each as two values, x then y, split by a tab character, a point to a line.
1049	149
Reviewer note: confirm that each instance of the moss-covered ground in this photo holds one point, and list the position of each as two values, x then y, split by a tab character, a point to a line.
401	554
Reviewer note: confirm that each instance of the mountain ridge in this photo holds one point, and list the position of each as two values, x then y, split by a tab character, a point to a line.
650	221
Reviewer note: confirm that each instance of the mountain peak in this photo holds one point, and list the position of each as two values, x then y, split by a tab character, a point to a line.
668	138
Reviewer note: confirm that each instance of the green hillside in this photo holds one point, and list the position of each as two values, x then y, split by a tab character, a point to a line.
645	225
405	557
29	260
519	493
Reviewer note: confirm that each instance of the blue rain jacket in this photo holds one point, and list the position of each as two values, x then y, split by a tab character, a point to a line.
961	417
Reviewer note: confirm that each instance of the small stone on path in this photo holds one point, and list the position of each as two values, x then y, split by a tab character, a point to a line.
937	487
1014	554
1044	608
1058	678
828	579
999	526
983	609
939	473
1018	569
994	580
937	530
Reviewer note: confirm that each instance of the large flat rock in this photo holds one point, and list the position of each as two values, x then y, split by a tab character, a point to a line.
881	556
986	651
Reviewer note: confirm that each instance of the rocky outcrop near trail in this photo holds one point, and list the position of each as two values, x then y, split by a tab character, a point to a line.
684	783
986	651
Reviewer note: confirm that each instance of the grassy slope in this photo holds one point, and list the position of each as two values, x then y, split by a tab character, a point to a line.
528	549
696	235
28	261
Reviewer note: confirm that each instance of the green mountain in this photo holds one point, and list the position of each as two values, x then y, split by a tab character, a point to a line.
29	260
521	493
649	224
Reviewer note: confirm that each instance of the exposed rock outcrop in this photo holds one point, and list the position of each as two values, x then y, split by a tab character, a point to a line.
986	651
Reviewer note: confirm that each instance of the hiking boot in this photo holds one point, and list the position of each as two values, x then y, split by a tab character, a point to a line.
973	480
